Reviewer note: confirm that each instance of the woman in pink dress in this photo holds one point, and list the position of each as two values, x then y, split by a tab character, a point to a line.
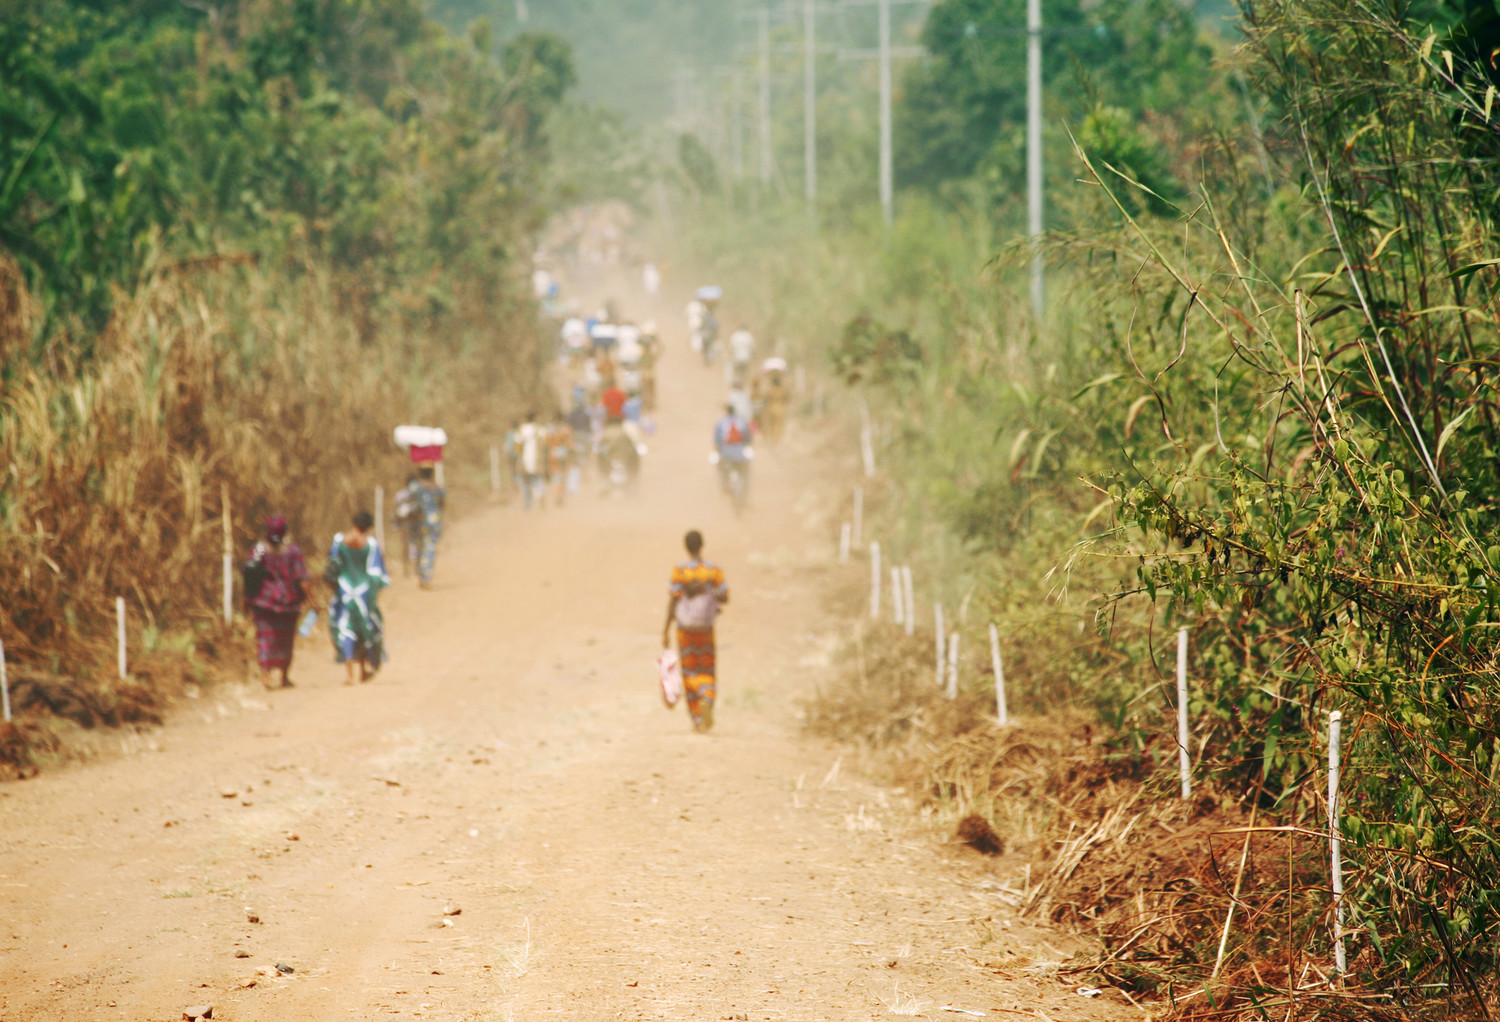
275	588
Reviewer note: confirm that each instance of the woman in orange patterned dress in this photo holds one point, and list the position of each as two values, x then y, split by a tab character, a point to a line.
698	593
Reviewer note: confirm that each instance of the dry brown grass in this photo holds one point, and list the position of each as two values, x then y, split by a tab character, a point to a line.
1110	852
229	377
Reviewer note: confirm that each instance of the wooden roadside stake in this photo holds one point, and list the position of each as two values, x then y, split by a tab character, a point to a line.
380	517
4	684
120	632
1183	761
1336	856
866	440
846	536
1002	712
953	666
875	581
495	470
228	554
438	469
857	538
911	604
937	613
898	607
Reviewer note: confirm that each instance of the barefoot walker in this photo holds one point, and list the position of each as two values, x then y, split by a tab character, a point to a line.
275	587
698	593
356	570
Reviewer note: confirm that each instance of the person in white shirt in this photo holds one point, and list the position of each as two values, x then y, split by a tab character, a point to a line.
575	337
531	459
741	351
697	316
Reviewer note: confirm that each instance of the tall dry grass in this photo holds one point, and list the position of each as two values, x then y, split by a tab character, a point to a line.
264	383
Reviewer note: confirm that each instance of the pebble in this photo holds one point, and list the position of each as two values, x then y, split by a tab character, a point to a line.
198	1011
451	909
284	969
240	952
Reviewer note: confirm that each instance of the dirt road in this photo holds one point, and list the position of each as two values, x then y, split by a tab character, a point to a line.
513	765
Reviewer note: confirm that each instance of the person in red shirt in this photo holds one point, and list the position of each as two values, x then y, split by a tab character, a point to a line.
613	399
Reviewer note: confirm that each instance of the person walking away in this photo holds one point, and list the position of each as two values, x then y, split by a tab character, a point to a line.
697	317
531	457
741	351
512	453
356	570
650	349
575	341
772	397
696	595
432	501
613	401
559	456
732	442
408	520
710	334
582	427
275	588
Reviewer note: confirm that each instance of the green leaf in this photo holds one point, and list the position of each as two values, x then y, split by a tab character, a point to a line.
1449	429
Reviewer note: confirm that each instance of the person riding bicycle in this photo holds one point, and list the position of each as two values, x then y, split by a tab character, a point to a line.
732	442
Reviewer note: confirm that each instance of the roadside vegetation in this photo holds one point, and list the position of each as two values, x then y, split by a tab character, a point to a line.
1259	407
238	244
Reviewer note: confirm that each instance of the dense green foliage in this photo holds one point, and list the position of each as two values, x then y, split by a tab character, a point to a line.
1262	408
356	133
238	243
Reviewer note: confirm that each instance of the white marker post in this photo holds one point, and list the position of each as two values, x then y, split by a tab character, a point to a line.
228	588
801	378
1002	712
846	536
380	516
495	470
875	581
120	630
953	666
859	516
228	554
911	604
1335	726
438	470
866	440
1183	759
898	608
4	685
937	612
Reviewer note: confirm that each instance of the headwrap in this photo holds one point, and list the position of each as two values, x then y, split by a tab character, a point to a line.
276	528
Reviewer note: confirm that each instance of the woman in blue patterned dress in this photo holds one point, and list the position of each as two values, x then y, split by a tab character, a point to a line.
356	569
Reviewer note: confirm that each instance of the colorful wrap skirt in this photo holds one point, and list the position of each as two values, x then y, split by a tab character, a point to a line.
695	650
275	632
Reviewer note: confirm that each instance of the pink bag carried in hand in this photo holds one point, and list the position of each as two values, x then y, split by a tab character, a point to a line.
670	673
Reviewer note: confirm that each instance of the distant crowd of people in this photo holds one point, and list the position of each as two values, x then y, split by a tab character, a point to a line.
609	365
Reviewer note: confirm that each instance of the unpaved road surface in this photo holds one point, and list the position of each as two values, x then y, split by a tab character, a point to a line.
514	763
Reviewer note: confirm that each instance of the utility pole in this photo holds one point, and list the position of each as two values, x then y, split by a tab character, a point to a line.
887	187
764	16
737	124
1034	153
885	53
810	104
